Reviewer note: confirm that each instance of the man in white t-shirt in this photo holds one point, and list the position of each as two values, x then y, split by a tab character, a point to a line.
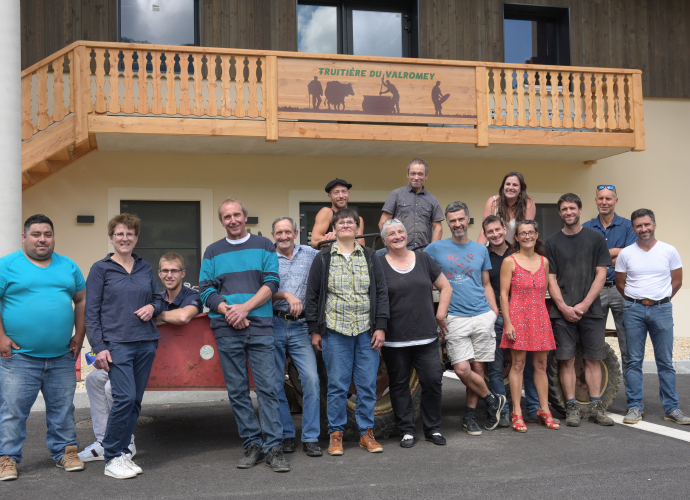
648	274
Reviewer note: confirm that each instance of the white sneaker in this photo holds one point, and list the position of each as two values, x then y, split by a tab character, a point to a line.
127	459
118	468
92	453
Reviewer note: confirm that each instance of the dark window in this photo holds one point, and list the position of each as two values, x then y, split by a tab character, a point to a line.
370	212
168	226
374	28
162	22
548	219
535	34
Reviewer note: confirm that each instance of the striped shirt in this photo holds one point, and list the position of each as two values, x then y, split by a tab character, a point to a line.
234	274
347	301
294	273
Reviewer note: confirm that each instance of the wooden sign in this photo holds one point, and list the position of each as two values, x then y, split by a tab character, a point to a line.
375	92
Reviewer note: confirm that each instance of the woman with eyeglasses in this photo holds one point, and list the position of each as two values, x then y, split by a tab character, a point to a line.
512	204
122	298
413	331
524	279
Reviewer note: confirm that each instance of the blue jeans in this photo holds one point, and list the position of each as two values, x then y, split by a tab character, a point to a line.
21	378
496	381
658	320
293	337
259	350
350	359
129	374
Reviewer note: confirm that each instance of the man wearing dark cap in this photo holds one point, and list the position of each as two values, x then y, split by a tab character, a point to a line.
339	193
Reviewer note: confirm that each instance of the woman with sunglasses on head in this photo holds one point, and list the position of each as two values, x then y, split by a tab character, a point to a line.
512	204
524	279
412	337
122	298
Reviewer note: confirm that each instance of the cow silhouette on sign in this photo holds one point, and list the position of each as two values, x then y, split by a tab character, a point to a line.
336	93
438	98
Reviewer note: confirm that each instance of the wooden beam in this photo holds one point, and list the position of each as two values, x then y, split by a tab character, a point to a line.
47	143
560	138
82	92
271	88
590	162
482	107
62	155
638	113
175	126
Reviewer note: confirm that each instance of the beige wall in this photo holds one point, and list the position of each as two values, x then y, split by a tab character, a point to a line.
655	179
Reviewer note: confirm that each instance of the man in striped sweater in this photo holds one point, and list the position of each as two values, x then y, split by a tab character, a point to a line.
239	274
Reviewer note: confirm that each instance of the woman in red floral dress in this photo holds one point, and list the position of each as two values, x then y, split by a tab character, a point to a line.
524	279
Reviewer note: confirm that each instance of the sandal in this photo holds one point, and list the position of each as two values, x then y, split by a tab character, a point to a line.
547	420
518	423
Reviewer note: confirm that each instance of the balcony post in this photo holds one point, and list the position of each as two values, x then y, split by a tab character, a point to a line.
10	128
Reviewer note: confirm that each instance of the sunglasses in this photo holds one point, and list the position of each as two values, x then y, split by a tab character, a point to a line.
606	186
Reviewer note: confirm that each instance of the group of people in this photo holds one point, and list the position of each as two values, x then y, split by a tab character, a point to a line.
349	305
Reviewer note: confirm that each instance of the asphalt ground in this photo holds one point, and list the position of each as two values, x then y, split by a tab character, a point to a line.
189	451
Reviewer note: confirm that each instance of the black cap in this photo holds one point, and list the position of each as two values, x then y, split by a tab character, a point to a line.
332	184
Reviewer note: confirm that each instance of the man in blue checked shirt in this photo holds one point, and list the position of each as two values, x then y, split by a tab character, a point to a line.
291	335
619	234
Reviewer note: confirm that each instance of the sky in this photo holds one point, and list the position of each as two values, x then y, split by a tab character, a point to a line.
173	24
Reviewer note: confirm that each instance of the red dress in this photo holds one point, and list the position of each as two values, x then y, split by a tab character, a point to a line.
528	313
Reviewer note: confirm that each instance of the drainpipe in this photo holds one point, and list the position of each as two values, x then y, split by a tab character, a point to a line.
10	128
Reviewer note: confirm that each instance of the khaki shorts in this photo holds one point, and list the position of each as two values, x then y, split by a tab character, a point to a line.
471	338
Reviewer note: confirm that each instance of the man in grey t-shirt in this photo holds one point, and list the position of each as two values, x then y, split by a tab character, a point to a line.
416	208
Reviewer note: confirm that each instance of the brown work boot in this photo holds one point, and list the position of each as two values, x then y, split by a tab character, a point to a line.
368	442
8	468
336	446
70	460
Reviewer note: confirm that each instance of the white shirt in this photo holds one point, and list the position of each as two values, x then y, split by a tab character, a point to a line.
238	242
649	273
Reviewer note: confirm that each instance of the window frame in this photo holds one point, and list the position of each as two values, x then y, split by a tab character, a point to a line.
197	22
530	12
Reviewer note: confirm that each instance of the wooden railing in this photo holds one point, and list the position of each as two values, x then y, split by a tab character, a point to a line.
512	102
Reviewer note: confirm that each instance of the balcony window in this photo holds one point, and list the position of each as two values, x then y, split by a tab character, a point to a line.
535	34
373	28
161	22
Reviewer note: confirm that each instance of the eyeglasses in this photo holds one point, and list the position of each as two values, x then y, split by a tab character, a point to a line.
125	235
606	186
527	233
174	272
343	223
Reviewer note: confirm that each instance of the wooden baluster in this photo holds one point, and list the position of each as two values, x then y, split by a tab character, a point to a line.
577	100
170	105
59	110
623	123
253	111
567	120
198	86
498	98
89	101
589	113
239	88
185	108
212	108
70	106
521	118
264	88
601	121
555	101
510	111
27	126
533	121
43	119
114	104
143	106
225	101
611	122
129	82
157	97
101	105
543	101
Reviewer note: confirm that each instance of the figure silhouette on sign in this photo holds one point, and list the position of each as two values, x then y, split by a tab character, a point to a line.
315	91
438	98
390	89
336	93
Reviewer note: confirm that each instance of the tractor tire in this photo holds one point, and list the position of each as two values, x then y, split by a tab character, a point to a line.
384	419
610	379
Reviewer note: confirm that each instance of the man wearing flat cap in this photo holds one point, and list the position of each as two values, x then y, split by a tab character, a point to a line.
339	193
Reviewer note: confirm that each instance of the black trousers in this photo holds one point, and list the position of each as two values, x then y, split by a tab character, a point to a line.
425	359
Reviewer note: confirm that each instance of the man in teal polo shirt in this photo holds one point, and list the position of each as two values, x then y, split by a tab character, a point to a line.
37	350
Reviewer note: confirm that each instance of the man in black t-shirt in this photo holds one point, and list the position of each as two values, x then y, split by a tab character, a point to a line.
578	258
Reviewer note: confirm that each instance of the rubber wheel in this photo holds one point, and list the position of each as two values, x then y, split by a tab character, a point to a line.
610	378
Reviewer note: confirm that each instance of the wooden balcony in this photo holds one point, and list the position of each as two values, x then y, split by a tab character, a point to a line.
162	98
